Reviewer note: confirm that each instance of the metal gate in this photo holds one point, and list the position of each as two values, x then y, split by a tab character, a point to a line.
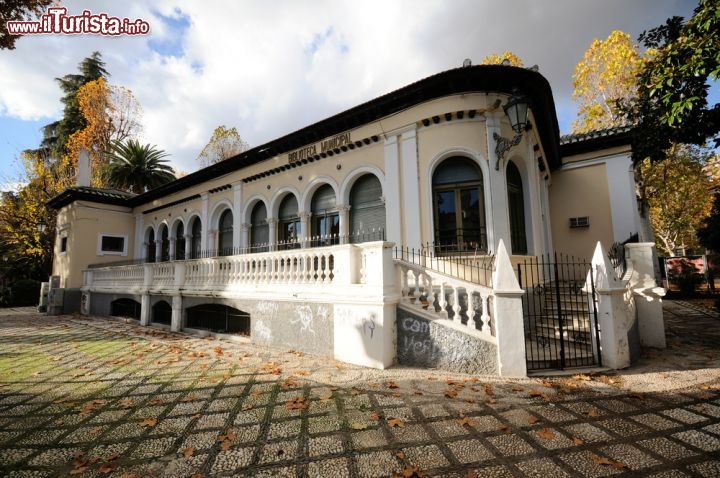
561	328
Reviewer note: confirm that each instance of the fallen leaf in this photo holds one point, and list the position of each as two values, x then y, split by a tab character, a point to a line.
129	475
546	434
297	403
592	413
400	455
246	407
218	350
326	396
535	393
188	452
107	467
148	422
582	377
578	441
358	426
532	419
466	421
301	373
197	475
354	392
470	474
504	428
189	398
395	422
392	385
79	470
125	403
452	393
602	460
226	445
408	472
376	416
197	415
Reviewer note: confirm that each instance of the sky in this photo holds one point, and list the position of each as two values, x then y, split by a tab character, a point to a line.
270	67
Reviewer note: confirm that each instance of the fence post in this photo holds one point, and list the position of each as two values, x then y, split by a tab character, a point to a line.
647	294
613	315
508	314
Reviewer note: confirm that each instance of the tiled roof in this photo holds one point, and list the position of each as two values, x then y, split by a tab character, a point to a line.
595	134
101	195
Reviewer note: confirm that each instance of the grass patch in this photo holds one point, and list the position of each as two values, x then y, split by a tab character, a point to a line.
25	365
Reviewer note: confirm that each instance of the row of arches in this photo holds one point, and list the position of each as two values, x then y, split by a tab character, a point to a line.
459	218
326	223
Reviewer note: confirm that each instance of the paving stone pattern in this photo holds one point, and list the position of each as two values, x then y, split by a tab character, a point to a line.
102	397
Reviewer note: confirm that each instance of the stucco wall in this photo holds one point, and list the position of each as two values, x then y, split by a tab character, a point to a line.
425	343
580	192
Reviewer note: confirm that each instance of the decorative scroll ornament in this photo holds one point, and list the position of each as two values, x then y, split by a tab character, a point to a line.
502	146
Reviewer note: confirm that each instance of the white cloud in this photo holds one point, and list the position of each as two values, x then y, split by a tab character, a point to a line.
269	68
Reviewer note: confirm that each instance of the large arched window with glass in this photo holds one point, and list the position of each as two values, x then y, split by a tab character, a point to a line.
195	238
516	208
459	206
180	242
259	231
367	210
150	244
325	217
164	243
288	223
225	231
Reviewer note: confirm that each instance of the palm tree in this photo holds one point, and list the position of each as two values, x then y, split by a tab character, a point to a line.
137	168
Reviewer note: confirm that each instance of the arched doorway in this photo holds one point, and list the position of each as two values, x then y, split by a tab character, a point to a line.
195	238
459	206
164	243
516	208
367	210
325	217
225	230
180	242
259	230
288	223
151	251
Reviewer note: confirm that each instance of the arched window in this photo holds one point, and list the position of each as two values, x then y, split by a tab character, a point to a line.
325	217
288	223
164	243
180	242
259	231
367	210
195	238
516	207
150	256
225	238
459	206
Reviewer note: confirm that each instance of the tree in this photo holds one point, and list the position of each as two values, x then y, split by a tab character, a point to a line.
57	133
111	114
678	193
671	104
495	59
17	11
603	80
223	144
137	168
709	231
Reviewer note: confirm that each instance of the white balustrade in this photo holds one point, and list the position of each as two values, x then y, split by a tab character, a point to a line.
447	297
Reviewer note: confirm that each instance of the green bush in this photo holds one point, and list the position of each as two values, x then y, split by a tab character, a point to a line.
25	292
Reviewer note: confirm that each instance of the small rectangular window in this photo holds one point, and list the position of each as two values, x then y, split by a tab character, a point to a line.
110	244
63	244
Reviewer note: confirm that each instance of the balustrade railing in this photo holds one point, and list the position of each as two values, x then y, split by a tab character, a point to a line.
454	288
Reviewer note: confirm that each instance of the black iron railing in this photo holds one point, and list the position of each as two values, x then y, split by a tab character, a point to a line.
446	259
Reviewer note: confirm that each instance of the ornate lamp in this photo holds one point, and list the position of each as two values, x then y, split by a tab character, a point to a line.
516	110
41	226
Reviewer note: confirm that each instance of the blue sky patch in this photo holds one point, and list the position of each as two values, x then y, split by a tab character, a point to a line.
172	45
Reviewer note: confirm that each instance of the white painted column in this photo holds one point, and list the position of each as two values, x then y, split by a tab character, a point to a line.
237	213
204	240
172	248
411	190
533	209
272	233
158	250
499	224
305	230
612	313
392	192
188	246
145	309
508	317
642	260
344	213
139	239
176	317
245	236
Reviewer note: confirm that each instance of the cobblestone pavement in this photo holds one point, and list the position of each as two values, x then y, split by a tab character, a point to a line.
102	397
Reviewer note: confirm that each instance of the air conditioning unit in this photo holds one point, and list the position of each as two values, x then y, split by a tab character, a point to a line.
583	221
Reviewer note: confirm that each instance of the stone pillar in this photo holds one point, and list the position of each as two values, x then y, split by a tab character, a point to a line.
85	303
237	219
145	311
204	246
411	191
245	236
344	223
612	312
158	250
642	261
305	230
139	236
508	317
171	252
188	246
392	192
176	317
499	223
272	233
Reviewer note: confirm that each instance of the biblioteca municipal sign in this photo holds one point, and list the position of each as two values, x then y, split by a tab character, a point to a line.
342	139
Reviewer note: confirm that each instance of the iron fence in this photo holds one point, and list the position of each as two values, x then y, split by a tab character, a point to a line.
469	267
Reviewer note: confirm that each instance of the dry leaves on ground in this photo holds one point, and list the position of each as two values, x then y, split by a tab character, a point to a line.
90	406
188	452
395	422
148	422
409	472
358	426
466	421
605	461
297	403
546	433
532	419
